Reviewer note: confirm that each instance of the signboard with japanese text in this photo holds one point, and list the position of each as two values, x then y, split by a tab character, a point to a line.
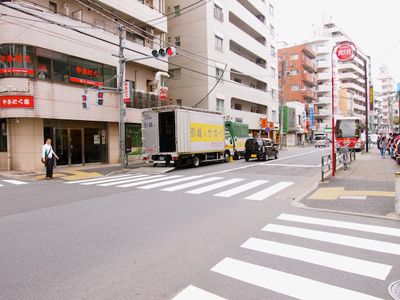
311	116
128	91
86	72
17	101
16	61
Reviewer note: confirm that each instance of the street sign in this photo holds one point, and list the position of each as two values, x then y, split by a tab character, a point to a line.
345	52
163	94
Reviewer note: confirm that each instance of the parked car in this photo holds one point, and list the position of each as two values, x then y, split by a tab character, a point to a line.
260	149
321	141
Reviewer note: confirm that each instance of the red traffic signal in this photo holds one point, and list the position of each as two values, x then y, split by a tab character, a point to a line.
85	101
99	98
169	52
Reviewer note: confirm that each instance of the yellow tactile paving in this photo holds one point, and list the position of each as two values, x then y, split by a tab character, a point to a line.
334	193
71	175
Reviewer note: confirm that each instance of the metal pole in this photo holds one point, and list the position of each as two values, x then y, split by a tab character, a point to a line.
121	97
397	194
282	99
366	105
333	119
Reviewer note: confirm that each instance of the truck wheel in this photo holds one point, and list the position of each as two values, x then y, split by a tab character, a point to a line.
227	157
246	159
265	157
195	161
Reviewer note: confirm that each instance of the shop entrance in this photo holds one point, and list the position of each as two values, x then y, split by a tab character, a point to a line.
78	146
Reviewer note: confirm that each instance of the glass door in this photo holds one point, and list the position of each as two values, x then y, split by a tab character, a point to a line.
61	143
75	146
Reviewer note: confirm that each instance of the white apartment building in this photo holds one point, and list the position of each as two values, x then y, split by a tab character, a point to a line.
51	52
351	90
376	115
227	61
390	107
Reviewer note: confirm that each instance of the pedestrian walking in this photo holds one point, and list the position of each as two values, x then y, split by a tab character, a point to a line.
48	158
383	146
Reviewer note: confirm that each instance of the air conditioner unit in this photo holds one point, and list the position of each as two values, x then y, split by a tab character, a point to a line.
65	9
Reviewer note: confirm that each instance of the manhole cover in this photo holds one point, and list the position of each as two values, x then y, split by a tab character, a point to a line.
394	290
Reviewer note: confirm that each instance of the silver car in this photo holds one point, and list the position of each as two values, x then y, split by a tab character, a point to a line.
321	141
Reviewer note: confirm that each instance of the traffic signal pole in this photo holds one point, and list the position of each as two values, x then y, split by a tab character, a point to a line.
121	97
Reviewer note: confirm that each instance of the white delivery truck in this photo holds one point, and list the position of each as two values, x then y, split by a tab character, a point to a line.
174	135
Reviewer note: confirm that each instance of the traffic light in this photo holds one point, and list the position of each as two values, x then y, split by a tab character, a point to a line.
169	52
99	98
85	101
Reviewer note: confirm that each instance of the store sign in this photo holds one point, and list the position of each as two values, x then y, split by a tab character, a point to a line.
17	101
85	81
15	58
127	91
311	116
17	71
346	52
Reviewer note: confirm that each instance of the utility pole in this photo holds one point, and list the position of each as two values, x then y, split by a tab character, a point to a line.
282	98
366	105
121	96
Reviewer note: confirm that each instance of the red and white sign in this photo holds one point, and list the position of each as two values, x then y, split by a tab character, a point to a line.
17	71
85	81
345	52
163	94
17	101
127	94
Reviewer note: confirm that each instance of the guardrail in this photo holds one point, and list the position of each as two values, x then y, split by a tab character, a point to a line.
344	156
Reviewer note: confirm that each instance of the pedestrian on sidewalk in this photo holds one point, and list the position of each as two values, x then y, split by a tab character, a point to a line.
48	159
383	146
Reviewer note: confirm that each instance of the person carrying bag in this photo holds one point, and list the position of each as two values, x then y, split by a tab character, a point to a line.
47	158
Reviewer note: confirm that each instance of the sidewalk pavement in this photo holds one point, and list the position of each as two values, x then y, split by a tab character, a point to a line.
367	187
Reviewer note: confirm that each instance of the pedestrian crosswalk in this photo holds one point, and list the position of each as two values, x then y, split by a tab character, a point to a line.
302	287
257	190
6	182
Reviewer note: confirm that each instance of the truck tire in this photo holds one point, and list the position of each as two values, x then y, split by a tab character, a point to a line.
227	157
195	161
265	157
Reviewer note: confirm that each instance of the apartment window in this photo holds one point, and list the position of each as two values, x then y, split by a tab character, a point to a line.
294	57
3	135
43	68
218	14
178	41
272	30
14	58
273	72
174	73
294	72
273	115
294	87
273	51
271	10
179	102
220	105
218	43
218	73
99	23
273	93
53	7
177	10
238	106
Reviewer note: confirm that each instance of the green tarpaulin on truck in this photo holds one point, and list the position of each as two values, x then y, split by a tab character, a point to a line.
237	129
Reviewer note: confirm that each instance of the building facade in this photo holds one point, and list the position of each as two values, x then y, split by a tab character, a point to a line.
390	105
54	52
230	60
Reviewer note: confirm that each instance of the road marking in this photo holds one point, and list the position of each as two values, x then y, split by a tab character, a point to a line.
151	186
150	179
1	185
284	283
106	180
214	186
129	179
341	224
353	197
194	293
334	193
261	164
190	184
292	166
264	194
241	188
334	261
335	238
16	182
96	179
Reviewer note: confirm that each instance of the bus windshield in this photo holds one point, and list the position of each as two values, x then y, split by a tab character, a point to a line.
347	128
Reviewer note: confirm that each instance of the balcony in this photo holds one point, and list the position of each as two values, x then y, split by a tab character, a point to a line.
309	79
347	76
352	86
323	101
322	50
324	88
324	76
322	113
309	95
323	64
309	65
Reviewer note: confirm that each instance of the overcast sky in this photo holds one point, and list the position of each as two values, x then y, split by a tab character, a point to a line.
374	26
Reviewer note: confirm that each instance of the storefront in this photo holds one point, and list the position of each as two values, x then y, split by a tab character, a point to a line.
78	142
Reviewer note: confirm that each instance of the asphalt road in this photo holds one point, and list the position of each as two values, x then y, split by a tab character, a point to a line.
205	232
